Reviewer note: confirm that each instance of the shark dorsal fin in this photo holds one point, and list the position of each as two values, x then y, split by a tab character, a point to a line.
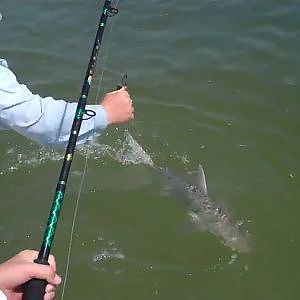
202	181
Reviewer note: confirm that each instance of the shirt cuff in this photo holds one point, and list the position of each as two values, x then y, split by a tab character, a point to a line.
101	119
3	63
2	296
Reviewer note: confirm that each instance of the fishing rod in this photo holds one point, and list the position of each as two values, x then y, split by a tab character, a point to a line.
35	288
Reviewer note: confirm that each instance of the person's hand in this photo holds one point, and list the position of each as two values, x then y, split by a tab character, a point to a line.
118	106
21	268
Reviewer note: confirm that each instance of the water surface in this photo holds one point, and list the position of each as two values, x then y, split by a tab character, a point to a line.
213	82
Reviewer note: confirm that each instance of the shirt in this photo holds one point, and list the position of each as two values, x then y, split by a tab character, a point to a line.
42	119
2	296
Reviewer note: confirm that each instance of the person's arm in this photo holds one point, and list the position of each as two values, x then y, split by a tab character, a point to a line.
48	121
2	296
18	270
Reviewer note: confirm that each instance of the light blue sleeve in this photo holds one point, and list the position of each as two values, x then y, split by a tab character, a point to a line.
44	120
2	296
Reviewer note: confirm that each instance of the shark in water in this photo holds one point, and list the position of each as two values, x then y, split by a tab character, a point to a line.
205	213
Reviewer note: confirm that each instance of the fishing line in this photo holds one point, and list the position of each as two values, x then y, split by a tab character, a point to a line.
85	168
75	213
73	228
35	288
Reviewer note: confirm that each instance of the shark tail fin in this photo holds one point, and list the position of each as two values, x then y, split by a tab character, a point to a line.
202	181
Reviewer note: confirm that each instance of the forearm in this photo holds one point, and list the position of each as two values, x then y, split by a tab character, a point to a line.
44	120
48	121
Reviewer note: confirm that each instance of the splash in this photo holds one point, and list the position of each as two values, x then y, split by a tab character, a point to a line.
96	151
127	151
107	251
132	152
16	159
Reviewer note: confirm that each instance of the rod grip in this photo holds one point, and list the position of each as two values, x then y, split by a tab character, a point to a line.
35	288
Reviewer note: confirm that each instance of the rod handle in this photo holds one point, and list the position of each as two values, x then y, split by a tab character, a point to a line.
34	289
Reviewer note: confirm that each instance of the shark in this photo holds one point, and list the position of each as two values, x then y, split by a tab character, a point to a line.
205	213
202	211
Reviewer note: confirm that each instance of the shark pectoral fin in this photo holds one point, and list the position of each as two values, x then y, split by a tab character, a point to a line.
202	181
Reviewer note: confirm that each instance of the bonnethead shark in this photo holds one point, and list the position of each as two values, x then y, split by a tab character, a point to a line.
202	210
205	213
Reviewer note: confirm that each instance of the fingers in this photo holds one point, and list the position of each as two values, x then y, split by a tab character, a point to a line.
50	292
43	272
50	288
31	255
21	268
49	296
56	280
52	262
27	255
118	106
123	89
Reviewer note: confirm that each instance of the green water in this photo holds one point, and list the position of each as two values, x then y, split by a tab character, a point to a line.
213	82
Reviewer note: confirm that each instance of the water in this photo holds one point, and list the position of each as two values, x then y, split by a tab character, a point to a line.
213	82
